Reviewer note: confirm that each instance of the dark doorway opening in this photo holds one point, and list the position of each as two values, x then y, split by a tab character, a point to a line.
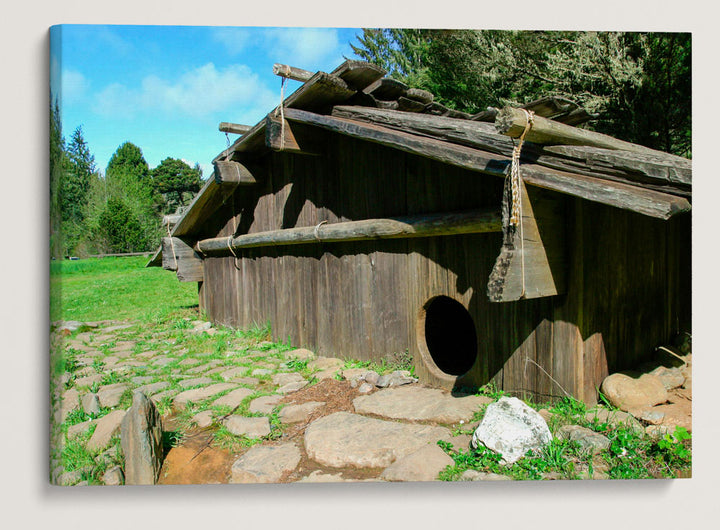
450	335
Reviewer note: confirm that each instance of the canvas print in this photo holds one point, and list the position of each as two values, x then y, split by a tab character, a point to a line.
390	255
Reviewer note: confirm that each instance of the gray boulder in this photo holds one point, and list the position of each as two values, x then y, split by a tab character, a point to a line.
511	428
590	441
141	441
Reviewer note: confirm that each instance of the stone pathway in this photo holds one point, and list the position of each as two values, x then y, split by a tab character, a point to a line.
254	412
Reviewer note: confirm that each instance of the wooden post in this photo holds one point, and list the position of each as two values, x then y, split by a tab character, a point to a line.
474	221
179	256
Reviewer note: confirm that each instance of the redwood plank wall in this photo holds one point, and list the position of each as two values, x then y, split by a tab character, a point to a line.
627	275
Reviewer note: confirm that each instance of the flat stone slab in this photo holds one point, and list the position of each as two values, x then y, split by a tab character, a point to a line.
232	373
264	404
265	464
198	394
287	378
105	427
250	427
88	380
298	413
415	403
234	398
291	387
109	395
195	381
343	439
423	465
202	419
152	388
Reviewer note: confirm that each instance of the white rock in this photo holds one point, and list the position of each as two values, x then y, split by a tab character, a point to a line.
511	428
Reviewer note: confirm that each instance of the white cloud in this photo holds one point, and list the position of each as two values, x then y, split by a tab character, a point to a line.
305	48
198	92
74	86
234	39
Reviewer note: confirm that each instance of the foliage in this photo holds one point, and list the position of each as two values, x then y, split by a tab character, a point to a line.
121	228
638	83
57	162
176	182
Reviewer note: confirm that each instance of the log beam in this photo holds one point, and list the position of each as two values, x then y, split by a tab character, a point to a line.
234	128
290	72
511	122
439	224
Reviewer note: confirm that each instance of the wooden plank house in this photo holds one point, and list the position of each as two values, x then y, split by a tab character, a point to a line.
362	219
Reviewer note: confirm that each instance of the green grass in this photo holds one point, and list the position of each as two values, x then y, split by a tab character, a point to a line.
116	289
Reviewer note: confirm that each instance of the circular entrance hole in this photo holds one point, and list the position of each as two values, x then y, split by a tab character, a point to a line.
450	335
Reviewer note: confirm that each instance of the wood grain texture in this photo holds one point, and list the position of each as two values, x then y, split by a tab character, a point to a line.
429	225
180	257
625	196
627	277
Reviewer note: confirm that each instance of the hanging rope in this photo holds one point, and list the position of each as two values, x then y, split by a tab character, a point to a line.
280	110
516	196
172	245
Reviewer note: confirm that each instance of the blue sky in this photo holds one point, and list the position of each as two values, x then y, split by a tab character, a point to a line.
166	88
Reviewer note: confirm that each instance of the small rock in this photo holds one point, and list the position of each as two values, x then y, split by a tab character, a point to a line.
299	413
632	394
511	428
614	418
589	440
261	371
109	395
371	377
90	403
113	476
670	377
264	404
300	354
265	464
397	378
141	441
203	419
250	427
422	465
142	379
658	431
354	374
365	388
654	417
201	326
105	428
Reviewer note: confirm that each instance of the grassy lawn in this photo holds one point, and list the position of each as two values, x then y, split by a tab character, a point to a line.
116	289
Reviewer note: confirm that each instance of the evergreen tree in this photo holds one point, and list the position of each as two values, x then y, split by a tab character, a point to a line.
176	182
57	163
639	84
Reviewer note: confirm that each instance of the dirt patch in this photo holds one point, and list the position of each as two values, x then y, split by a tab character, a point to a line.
196	461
